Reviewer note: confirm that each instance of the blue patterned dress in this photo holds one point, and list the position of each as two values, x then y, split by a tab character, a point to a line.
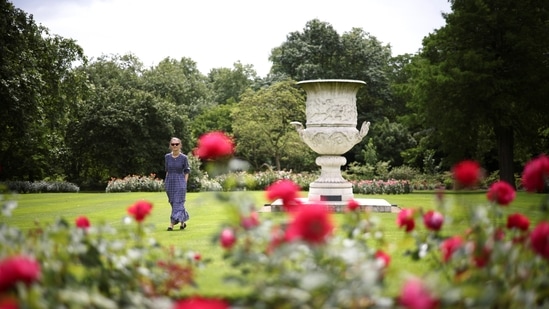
176	186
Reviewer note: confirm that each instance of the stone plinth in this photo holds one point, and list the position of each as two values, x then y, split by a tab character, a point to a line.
366	204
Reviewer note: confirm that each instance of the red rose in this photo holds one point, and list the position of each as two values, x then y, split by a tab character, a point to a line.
539	239
501	192
18	269
535	174
466	173
415	295
406	218
250	221
140	210
518	221
384	257
214	145
82	222
311	223
227	238
449	246
352	205
287	191
198	302
8	303
433	220
481	256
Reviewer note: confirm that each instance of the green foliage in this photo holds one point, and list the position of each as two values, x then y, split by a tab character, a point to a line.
483	76
262	127
229	84
403	172
40	186
38	88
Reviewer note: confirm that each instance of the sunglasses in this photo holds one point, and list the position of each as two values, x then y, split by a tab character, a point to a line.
175	144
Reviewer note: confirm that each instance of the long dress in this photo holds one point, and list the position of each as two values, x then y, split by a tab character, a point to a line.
176	186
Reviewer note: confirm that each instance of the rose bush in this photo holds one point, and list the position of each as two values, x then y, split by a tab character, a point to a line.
299	259
497	262
87	265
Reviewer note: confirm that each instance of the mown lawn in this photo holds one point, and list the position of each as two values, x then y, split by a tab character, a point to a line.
207	214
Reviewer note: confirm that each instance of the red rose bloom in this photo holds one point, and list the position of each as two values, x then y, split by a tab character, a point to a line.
82	222
380	255
352	205
311	223
227	238
433	220
414	295
287	191
214	145
539	239
466	173
18	269
250	221
449	246
406	218
535	174
198	302
501	192
140	210
518	221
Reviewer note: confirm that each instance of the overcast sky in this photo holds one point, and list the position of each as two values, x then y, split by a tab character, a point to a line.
217	33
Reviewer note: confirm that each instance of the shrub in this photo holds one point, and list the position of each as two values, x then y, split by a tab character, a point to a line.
41	186
135	183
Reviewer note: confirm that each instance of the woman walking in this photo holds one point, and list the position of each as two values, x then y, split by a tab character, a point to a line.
177	174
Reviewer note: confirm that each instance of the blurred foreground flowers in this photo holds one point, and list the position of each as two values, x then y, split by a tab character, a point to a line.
481	255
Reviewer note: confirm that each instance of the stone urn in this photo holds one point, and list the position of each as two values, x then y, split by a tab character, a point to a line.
331	130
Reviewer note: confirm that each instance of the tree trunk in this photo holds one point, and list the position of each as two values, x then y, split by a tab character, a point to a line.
506	141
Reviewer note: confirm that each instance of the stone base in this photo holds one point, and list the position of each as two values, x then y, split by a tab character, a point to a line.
366	204
330	192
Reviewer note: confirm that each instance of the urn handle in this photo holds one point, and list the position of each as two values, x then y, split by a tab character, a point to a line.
364	129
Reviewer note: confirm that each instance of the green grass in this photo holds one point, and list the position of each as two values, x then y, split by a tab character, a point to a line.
207	214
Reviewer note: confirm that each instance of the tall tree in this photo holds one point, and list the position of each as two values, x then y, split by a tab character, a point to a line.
228	84
122	129
181	83
263	131
319	52
38	87
486	74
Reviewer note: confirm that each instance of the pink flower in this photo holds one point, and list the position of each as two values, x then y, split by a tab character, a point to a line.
18	269
539	239
214	145
501	193
140	210
287	191
352	205
311	223
406	218
433	220
535	174
466	173
449	246
481	256
198	302
227	238
384	257
197	256
82	222
415	295
518	221
250	221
